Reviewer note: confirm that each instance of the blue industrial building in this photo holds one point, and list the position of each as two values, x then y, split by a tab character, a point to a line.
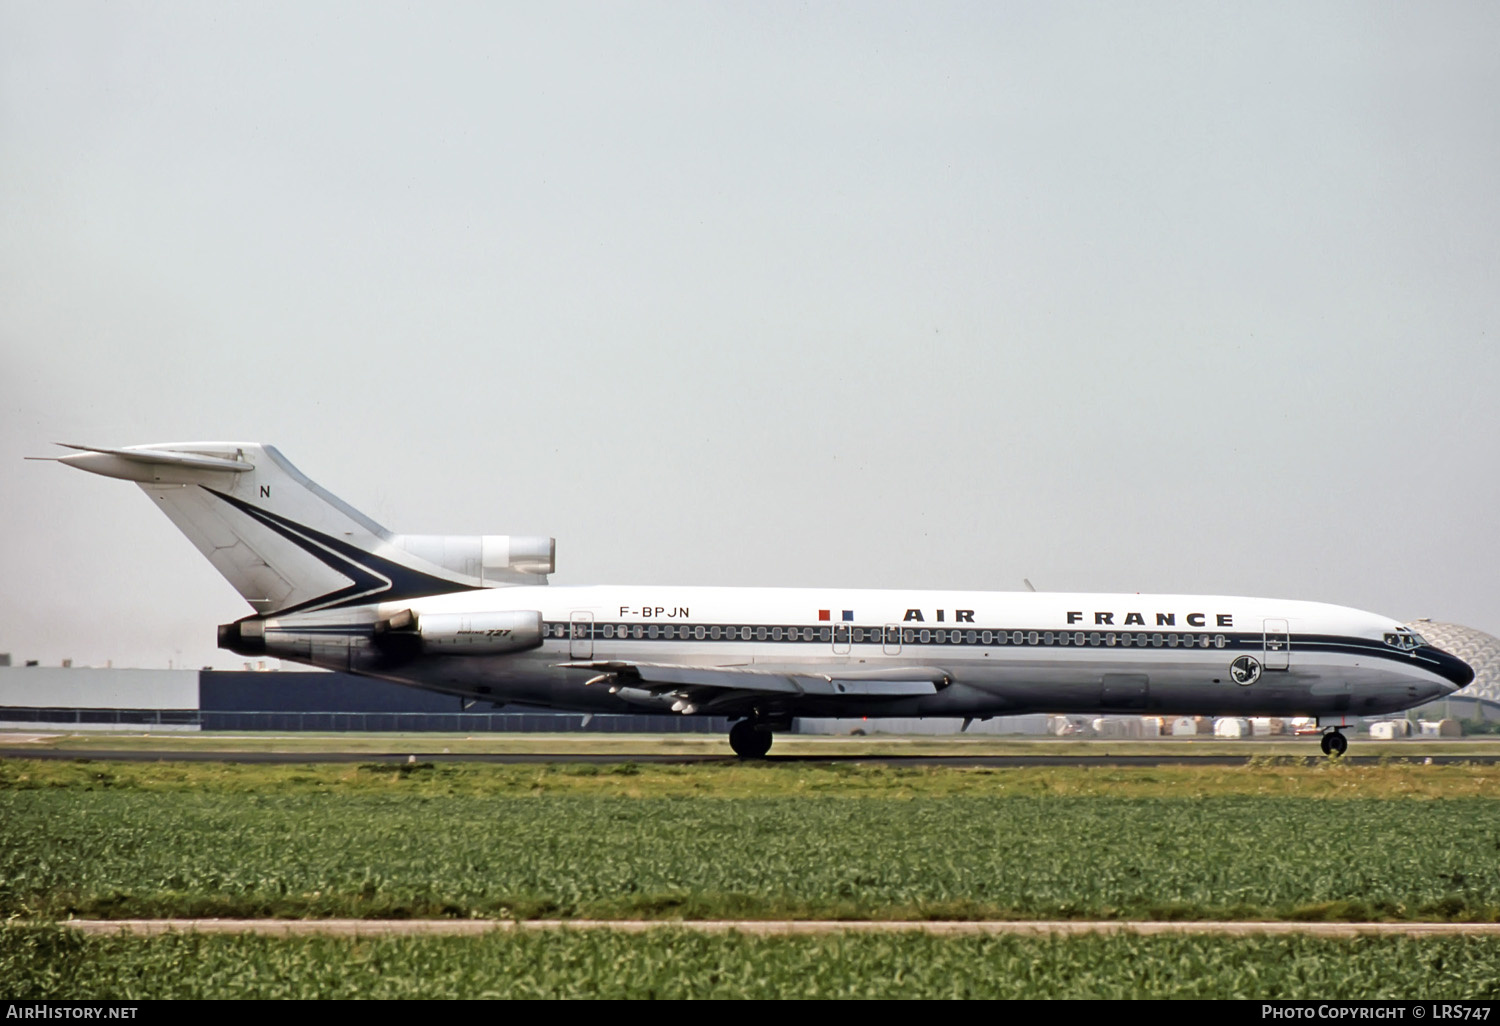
185	700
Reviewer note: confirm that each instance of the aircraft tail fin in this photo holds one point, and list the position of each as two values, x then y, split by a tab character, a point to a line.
286	544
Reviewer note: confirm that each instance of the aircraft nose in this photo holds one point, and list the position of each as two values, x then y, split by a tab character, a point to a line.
1453	669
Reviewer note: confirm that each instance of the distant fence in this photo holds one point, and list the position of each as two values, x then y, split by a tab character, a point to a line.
382	722
464	723
124	717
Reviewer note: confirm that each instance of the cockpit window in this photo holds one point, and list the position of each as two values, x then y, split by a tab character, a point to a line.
1404	639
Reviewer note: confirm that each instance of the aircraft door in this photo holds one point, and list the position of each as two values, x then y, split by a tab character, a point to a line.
892	639
1277	652
843	637
581	635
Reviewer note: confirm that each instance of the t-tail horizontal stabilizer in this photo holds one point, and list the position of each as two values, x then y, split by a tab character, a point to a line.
288	545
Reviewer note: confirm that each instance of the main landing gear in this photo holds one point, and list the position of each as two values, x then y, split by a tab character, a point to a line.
1335	743
750	739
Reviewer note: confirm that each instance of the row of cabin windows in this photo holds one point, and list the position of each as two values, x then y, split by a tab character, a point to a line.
876	635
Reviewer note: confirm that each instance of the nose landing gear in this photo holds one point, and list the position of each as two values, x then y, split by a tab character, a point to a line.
750	739
1335	743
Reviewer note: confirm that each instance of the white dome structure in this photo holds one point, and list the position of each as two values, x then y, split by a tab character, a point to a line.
1478	649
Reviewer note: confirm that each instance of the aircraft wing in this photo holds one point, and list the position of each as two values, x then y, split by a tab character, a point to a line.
830	682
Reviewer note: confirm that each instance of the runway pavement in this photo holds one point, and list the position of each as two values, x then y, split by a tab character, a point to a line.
167	754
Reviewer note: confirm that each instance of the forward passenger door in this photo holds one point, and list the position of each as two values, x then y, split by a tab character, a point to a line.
1276	653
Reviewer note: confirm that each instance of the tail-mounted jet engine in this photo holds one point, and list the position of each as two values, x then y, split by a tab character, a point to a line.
461	633
405	635
491	558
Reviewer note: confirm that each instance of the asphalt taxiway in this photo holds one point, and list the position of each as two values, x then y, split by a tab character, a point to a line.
1106	759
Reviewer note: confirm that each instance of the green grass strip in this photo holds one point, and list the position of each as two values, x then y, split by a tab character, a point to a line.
119	853
50	962
1309	778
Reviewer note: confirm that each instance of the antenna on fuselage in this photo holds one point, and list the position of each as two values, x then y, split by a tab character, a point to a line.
1029	586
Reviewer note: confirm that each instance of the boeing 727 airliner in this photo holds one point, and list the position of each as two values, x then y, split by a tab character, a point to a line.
474	616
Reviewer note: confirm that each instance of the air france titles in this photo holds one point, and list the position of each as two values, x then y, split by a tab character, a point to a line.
959	616
1162	619
1100	619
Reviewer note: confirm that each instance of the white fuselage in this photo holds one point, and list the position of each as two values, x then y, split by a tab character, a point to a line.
1002	652
474	616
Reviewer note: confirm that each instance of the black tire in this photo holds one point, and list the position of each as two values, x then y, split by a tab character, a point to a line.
1337	743
749	740
1327	744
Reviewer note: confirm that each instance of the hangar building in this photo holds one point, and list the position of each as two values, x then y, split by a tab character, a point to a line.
42	697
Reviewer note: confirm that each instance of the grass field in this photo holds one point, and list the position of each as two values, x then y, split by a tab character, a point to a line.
1327	841
49	962
1261	776
626	745
1276	838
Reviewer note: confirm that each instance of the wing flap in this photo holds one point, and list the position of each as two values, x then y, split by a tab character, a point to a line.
895	682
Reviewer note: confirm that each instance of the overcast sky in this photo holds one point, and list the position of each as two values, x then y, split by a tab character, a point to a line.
1139	297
